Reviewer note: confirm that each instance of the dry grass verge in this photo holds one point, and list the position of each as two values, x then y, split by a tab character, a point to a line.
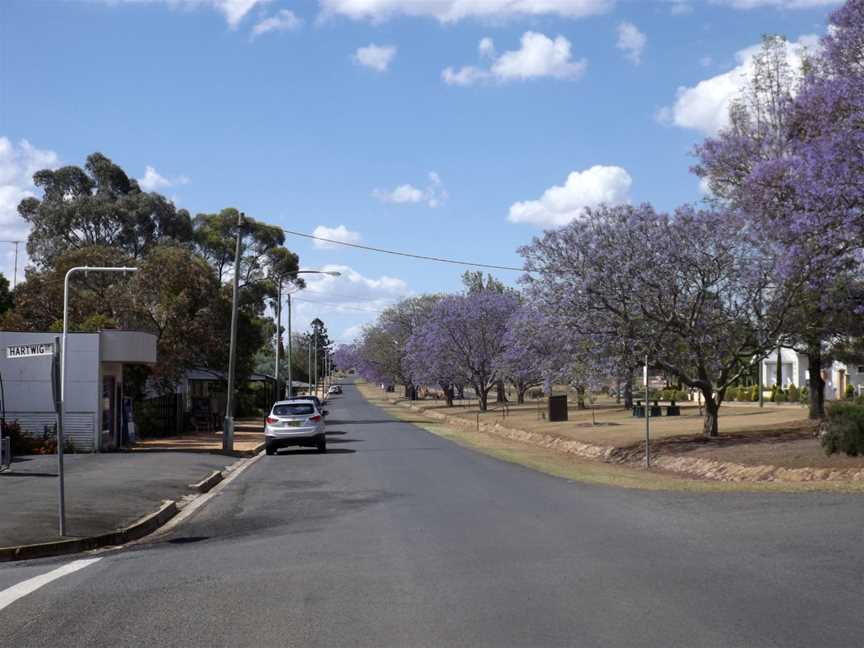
556	457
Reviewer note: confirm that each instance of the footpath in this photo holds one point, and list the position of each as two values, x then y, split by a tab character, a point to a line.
111	498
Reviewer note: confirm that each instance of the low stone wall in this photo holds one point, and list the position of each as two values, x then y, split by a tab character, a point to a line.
692	466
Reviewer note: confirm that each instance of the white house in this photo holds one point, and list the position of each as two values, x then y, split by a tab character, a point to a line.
794	371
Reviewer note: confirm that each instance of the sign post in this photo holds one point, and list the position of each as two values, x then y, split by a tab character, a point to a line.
647	419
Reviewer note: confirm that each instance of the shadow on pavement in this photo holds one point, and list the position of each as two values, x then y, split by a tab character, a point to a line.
314	452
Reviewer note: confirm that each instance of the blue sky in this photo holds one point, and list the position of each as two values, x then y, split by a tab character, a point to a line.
329	113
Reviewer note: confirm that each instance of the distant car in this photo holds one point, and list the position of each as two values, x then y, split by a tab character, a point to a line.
296	422
335	389
314	399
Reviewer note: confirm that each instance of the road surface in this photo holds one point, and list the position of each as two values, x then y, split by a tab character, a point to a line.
397	537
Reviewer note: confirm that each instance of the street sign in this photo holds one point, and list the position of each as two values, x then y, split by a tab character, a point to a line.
29	350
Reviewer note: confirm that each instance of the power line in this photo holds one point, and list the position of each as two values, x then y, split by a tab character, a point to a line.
422	257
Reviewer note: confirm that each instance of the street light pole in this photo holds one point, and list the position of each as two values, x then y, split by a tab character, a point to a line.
278	333
61	494
228	425
290	389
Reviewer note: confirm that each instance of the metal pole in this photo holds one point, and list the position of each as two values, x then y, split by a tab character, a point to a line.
228	426
290	388
309	365
278	333
63	348
316	361
15	272
647	419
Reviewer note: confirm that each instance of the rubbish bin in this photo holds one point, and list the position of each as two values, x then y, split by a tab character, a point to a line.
558	408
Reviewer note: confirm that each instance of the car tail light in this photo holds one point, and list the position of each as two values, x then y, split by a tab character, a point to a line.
315	418
272	419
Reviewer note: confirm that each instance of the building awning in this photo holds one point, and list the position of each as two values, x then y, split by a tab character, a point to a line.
129	347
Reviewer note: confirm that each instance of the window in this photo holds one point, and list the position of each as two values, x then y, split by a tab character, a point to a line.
861	369
294	409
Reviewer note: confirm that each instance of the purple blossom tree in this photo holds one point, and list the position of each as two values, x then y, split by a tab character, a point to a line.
793	161
461	340
693	291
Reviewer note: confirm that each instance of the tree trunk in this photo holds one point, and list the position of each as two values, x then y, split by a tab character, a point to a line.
520	395
580	398
710	426
448	394
618	392
460	390
500	392
779	372
816	384
628	391
483	397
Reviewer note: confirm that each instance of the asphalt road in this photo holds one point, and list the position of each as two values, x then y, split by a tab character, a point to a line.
399	538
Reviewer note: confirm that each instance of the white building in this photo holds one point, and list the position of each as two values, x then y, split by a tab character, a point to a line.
794	371
97	410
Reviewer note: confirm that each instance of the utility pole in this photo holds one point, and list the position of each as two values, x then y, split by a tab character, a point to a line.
278	333
228	425
316	361
309	365
290	387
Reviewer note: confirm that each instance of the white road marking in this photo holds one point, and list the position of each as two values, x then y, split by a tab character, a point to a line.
12	594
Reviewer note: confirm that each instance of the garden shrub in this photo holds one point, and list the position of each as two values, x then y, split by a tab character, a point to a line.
793	394
850	391
754	394
773	393
844	430
805	394
780	397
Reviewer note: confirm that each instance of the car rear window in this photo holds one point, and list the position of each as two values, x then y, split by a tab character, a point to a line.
293	409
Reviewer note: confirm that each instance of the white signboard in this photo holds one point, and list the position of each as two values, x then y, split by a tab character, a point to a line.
29	350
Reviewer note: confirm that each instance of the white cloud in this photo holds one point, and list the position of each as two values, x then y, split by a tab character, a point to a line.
233	10
539	56
778	4
433	194
375	57
705	106
561	204
631	41
449	11
285	20
18	163
153	181
340	233
486	47
350	293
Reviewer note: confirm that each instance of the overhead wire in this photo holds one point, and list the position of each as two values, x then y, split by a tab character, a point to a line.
410	255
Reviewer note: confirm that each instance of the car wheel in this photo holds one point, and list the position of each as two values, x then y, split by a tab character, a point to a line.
322	444
269	449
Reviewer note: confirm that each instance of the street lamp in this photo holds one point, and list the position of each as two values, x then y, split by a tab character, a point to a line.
84	269
331	273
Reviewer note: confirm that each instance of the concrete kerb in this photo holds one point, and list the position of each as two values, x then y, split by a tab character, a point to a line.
134	531
689	466
169	512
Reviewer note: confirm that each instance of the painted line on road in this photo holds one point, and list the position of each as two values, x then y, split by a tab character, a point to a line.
12	594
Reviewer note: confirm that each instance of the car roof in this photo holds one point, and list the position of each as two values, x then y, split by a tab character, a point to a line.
294	401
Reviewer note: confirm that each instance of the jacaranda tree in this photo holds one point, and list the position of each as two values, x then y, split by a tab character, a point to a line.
691	290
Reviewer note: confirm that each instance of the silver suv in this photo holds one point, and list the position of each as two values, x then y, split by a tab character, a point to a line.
295	423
